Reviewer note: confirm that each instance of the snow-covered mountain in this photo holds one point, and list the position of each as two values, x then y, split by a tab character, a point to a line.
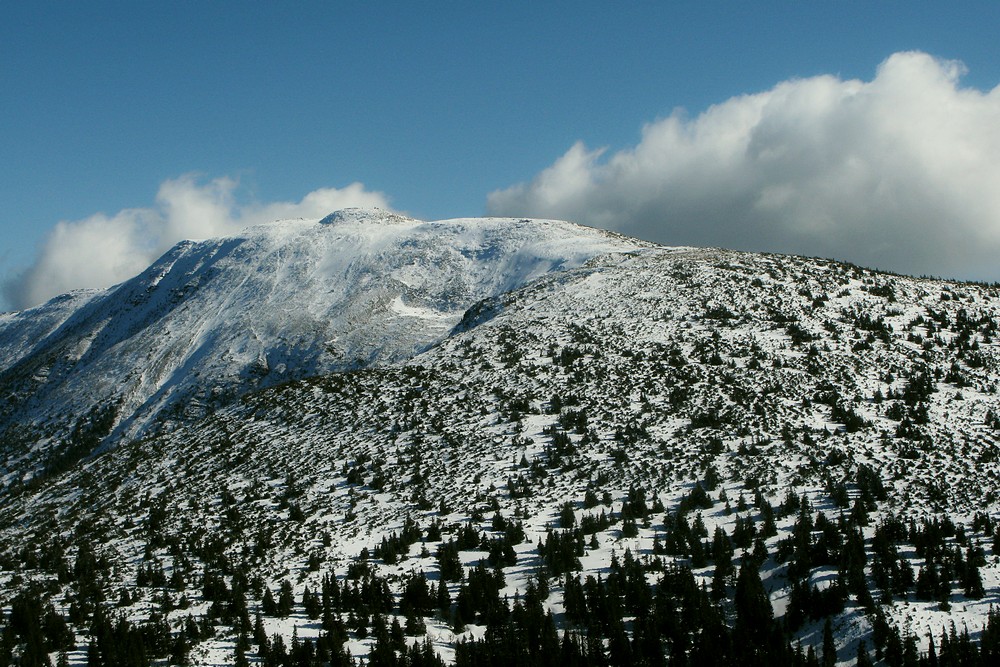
727	454
211	320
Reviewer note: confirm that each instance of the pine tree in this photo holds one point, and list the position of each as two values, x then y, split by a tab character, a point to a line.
864	659
754	631
259	634
829	648
286	599
240	657
268	606
443	597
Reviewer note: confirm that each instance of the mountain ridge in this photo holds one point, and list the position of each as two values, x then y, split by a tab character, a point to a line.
212	319
626	418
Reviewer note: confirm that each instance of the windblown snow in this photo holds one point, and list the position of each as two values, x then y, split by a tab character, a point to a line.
308	391
213	319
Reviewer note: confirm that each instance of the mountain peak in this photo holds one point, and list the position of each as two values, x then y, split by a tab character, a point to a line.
211	320
605	411
371	215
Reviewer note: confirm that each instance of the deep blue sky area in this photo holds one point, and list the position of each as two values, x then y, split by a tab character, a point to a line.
435	104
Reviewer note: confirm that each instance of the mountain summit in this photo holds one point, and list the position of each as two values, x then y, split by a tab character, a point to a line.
498	442
211	320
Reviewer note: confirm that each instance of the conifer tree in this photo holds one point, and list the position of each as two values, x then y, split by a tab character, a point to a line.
754	631
864	659
268	605
829	648
286	599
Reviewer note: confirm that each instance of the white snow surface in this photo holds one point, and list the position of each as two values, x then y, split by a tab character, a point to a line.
211	320
683	360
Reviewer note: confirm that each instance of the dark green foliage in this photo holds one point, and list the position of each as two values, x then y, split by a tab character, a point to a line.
123	643
36	628
722	554
755	630
449	563
501	549
567	518
478	598
286	599
416	597
629	527
696	499
798	334
397	544
919	387
846	415
561	551
268	605
829	648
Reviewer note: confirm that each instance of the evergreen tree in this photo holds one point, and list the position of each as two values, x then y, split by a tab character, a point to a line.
443	597
268	605
754	631
829	647
286	599
864	659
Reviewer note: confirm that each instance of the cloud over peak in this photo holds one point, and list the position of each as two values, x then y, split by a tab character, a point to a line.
901	172
102	250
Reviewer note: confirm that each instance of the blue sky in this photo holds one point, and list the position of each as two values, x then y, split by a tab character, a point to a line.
435	105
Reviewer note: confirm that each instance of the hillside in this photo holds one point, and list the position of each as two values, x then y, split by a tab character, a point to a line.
212	320
702	455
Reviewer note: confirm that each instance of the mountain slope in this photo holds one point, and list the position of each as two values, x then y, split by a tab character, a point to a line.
211	320
799	406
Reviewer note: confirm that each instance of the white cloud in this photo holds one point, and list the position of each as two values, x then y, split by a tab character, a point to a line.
901	173
102	250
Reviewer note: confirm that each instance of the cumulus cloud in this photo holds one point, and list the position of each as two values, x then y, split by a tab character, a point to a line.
101	250
901	172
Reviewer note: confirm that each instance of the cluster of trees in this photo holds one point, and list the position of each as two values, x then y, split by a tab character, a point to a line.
624	620
34	629
617	618
951	648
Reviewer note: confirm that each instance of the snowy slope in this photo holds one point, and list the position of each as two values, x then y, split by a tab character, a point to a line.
21	332
651	370
211	320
